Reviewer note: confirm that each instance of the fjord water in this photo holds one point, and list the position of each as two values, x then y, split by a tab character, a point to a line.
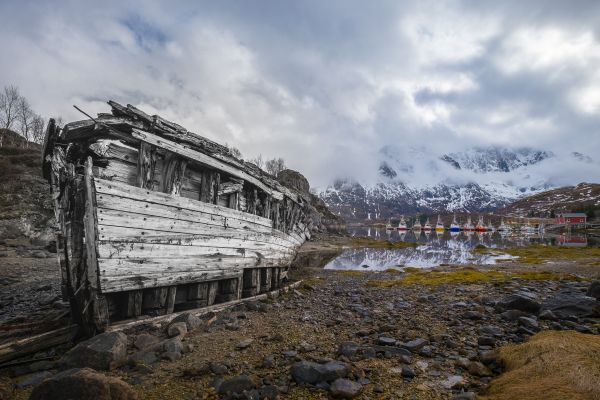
433	249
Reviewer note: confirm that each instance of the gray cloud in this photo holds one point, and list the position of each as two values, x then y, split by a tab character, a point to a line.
324	84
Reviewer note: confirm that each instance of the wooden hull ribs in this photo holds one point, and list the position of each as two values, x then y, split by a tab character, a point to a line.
154	219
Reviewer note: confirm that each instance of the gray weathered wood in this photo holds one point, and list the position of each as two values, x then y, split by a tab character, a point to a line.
146	166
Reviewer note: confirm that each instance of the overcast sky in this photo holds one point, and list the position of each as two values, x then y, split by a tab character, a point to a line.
324	84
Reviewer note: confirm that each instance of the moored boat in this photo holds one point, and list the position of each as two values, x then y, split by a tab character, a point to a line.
402	224
504	227
468	226
417	225
427	226
439	226
480	227
454	226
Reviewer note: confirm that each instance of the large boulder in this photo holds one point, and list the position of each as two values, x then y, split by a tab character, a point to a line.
523	301
191	321
237	384
82	384
345	389
566	303
313	373
594	290
102	352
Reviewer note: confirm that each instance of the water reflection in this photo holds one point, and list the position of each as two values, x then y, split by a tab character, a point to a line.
440	248
494	239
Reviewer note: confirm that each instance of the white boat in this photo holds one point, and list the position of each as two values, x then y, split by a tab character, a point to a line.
388	226
417	225
439	227
480	225
490	227
503	227
528	228
468	226
427	226
402	224
454	227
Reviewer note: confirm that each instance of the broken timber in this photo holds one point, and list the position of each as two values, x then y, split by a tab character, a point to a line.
154	219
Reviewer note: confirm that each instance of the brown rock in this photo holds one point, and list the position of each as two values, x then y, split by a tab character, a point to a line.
83	384
103	352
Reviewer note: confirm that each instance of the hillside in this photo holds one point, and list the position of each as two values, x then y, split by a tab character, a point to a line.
25	202
583	197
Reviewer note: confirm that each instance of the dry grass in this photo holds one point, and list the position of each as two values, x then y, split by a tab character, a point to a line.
467	275
550	366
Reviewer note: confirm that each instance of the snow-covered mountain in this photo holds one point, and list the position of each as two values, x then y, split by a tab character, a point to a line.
412	180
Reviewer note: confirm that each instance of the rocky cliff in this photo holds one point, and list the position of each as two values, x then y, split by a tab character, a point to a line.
322	218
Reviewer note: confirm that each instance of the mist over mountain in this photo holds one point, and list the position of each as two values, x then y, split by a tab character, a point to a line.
414	180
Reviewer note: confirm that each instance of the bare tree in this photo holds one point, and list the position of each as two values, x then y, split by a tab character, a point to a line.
258	161
25	117
37	131
275	166
9	100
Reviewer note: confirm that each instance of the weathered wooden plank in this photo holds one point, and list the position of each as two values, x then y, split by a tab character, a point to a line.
158	281
173	172
120	267
265	279
228	290
115	234
170	301
134	304
202	159
142	222
146	166
230	187
90	226
118	171
141	209
213	288
251	282
126	191
154	300
140	250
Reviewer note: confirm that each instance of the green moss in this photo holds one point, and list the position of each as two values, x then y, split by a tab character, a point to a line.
539	254
350	273
392	271
379	244
468	275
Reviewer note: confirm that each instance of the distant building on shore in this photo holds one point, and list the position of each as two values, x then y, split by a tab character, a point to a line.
571	218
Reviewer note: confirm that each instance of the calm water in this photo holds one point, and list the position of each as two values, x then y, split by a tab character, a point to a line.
444	248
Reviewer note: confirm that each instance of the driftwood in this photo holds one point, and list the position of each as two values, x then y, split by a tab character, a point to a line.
33	344
154	218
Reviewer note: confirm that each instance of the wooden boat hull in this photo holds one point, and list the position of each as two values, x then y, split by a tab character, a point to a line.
148	226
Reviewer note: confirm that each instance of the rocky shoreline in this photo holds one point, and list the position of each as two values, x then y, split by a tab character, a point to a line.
339	335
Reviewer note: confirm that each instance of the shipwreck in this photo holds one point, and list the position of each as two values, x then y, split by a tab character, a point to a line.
154	219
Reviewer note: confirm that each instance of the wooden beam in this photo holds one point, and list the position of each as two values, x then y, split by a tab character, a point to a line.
91	226
146	165
173	172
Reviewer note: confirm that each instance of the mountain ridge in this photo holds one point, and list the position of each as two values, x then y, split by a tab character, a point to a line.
479	179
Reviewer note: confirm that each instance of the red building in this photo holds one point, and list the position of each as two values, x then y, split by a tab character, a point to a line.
571	218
